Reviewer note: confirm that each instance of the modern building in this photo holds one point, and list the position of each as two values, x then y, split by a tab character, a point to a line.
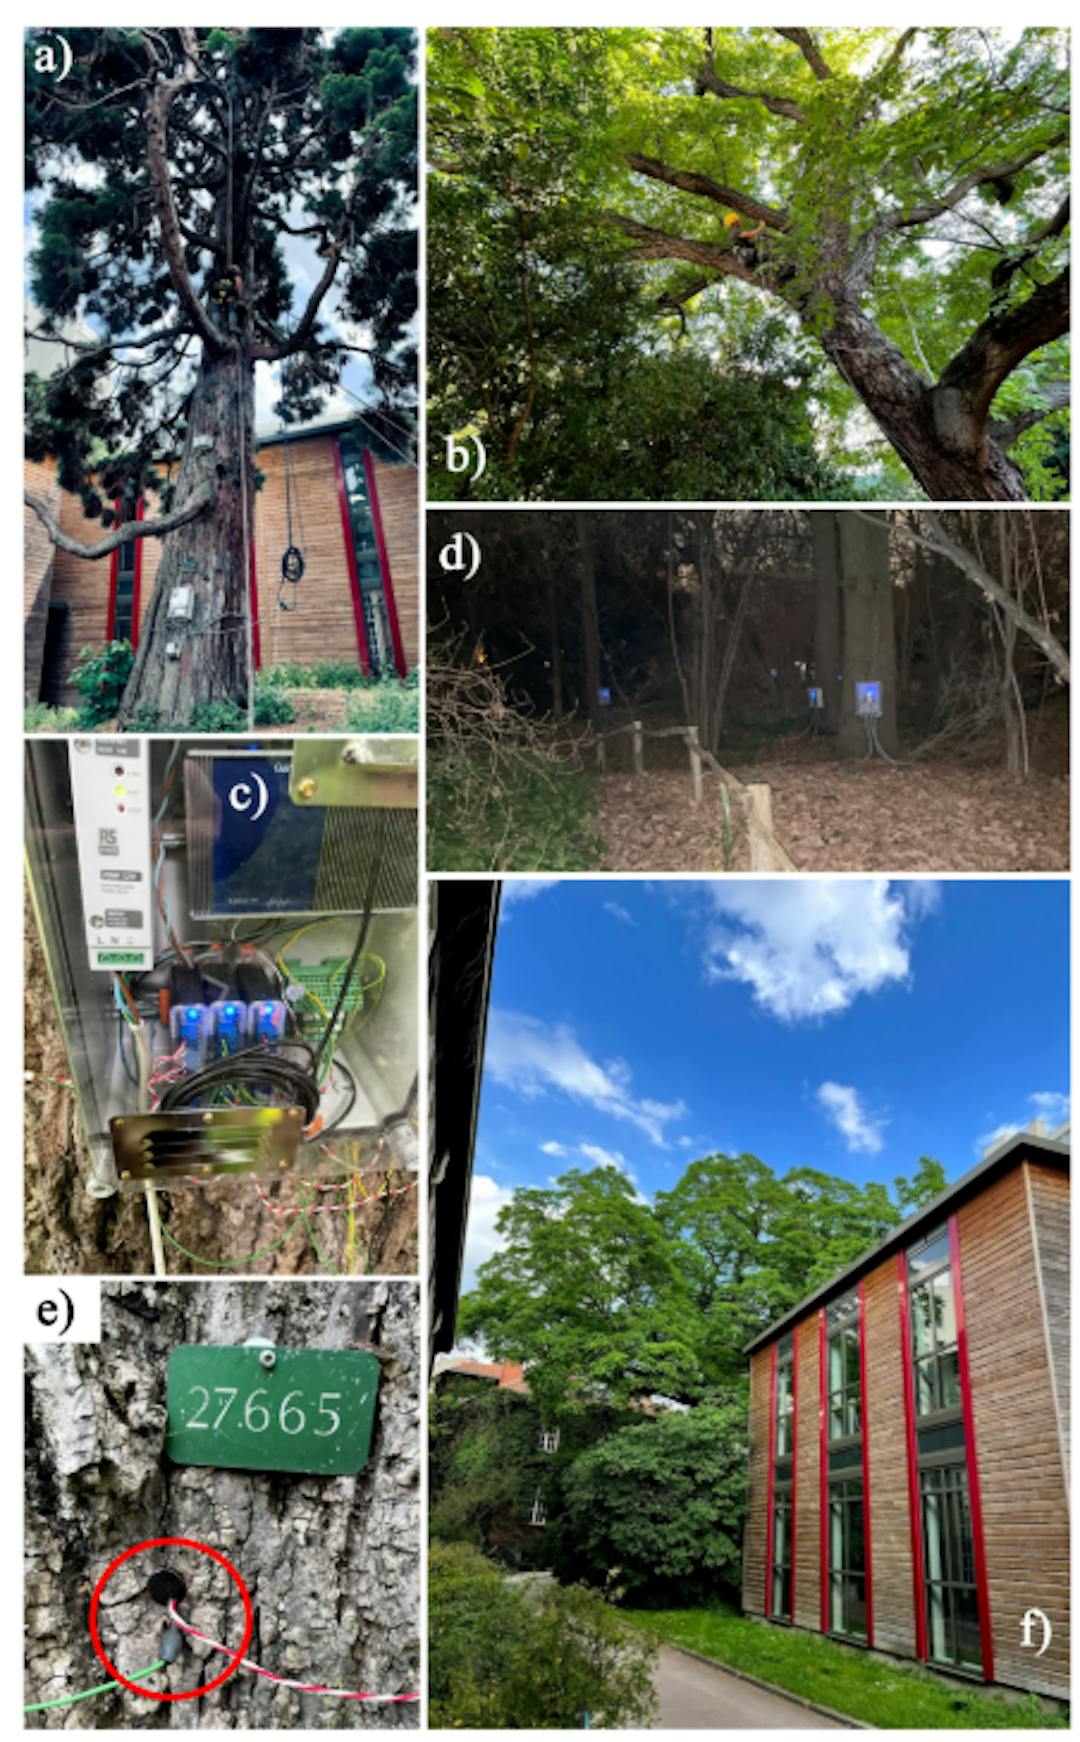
909	1436
335	491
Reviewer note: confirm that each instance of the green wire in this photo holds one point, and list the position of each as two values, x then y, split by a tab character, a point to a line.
88	1694
320	1255
230	1264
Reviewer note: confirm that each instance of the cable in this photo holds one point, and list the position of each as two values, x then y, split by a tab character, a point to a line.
358	947
284	1681
258	1065
137	1675
228	1264
317	1249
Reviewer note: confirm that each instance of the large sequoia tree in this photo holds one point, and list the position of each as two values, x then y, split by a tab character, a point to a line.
209	200
899	198
331	1562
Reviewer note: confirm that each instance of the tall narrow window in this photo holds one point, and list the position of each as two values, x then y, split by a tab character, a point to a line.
847	1558
124	597
366	552
950	1591
780	1607
785	1400
844	1498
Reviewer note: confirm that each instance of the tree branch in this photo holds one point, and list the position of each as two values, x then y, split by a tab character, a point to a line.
193	508
1005	431
157	113
1001	342
808	48
305	327
969	565
902	219
708	79
690	182
655	244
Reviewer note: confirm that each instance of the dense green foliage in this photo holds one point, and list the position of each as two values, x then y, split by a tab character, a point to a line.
389	705
592	319
39	717
500	1658
883	1695
596	1288
656	1509
100	675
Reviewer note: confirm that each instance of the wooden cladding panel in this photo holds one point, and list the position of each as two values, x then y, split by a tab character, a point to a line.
40	480
754	1538
1024	1500
808	1476
890	1510
397	490
323	625
1048	1191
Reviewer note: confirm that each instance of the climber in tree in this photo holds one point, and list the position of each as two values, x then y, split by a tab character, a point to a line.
744	243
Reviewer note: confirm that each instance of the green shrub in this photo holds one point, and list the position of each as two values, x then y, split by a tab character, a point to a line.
217	717
145	718
41	718
388	706
659	1506
273	707
501	1659
328	674
535	814
101	676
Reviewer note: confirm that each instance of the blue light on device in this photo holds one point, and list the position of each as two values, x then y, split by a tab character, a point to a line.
230	1025
868	700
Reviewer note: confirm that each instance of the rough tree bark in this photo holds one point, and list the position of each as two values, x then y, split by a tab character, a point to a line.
332	1563
209	661
868	648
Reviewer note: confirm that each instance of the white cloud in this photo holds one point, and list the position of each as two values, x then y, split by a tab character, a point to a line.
619	912
517	889
808	947
922	895
843	1108
685	1142
605	1157
533	1058
1048	1106
484	1239
553	1148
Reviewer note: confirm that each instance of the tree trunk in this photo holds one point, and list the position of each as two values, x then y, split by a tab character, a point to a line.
590	621
825	534
943	445
331	1562
554	650
868	648
182	663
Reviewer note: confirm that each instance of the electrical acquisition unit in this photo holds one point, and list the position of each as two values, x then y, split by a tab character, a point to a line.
231	935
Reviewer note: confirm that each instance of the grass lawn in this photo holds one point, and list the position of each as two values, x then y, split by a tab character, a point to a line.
852	1681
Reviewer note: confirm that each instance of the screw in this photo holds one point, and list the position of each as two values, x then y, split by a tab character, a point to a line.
307	787
208	1118
267	1358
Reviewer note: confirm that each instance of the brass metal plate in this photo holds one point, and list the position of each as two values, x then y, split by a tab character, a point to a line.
194	1144
378	771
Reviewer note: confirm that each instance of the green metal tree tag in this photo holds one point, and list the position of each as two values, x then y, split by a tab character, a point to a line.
306	1411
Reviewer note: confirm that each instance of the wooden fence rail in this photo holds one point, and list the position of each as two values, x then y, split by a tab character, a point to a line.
754	802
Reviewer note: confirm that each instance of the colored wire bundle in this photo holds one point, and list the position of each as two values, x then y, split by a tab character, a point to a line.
261	1067
284	1681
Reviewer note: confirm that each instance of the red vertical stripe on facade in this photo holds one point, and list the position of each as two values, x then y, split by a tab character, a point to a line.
350	558
384	566
136	586
794	1459
867	1539
918	1580
823	1357
982	1589
253	584
770	1487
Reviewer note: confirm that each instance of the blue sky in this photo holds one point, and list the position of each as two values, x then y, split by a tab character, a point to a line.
846	1024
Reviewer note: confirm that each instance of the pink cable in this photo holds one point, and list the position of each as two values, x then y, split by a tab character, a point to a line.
321	1209
283	1681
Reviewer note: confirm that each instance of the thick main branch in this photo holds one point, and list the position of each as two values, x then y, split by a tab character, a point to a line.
690	181
193	509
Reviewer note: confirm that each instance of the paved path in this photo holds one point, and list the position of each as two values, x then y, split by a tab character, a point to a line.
698	1696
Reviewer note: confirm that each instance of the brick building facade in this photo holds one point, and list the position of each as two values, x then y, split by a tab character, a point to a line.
354	517
909	1436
